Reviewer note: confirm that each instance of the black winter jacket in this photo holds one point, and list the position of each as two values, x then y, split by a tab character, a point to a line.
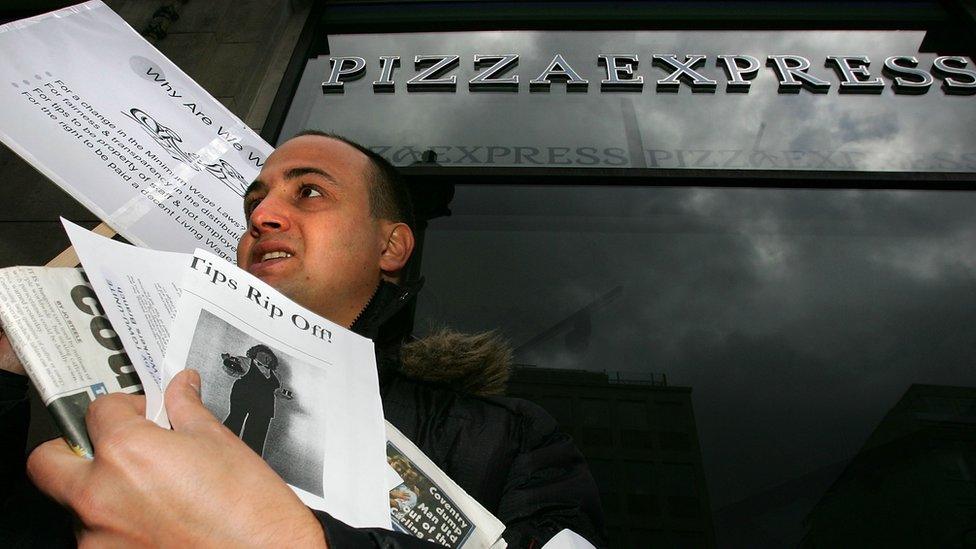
506	452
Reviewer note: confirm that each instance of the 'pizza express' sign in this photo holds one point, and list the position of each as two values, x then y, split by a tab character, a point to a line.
620	72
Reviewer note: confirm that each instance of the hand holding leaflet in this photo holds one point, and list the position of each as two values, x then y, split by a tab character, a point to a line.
140	489
8	358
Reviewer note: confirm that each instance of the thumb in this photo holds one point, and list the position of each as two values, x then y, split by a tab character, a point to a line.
58	472
183	404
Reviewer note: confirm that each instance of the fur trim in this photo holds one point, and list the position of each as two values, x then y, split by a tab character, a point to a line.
479	364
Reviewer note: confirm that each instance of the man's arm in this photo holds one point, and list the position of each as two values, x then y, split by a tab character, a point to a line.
14	414
27	518
342	535
549	487
140	487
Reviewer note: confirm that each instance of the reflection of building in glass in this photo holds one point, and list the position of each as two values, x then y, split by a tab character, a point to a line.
773	518
640	439
913	484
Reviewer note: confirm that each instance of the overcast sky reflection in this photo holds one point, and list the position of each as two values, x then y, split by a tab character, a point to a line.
595	128
798	317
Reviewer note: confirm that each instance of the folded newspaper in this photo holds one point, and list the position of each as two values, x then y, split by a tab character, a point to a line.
59	331
431	506
298	389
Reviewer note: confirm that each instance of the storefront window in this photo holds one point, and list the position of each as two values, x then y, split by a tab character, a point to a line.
741	365
803	322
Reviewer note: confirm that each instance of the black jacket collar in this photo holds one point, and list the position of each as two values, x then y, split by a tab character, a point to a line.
387	318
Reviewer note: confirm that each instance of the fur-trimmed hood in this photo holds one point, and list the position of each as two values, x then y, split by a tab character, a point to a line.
478	364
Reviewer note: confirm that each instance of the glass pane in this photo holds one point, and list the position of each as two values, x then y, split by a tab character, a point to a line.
810	347
650	127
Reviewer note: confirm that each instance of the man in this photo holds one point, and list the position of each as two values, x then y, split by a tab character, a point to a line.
329	226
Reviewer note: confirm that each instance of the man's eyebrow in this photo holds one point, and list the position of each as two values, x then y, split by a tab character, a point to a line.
260	186
305	170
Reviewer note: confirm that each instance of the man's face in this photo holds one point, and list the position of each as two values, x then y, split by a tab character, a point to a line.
310	233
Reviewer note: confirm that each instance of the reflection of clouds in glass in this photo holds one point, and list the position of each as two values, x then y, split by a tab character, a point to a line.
858	129
761	229
933	261
881	132
797	316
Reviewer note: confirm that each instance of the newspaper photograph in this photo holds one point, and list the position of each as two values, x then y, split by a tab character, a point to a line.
429	505
252	387
297	388
59	330
154	155
139	288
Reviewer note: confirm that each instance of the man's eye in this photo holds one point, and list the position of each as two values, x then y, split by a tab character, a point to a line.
309	192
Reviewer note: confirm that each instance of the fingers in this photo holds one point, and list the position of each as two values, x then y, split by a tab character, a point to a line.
183	404
114	411
57	471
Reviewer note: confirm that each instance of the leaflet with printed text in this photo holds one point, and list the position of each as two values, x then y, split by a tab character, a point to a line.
139	289
300	390
98	110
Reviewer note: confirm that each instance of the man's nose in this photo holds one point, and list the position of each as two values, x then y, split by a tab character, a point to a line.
270	215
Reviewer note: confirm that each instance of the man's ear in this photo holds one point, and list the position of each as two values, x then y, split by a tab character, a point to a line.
399	245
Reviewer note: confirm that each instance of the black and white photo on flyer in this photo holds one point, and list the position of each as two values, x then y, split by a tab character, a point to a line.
252	387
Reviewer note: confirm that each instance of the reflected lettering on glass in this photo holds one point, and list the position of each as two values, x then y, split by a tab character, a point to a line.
680	158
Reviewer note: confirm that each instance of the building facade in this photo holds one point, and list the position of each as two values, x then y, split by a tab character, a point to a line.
640	440
914	481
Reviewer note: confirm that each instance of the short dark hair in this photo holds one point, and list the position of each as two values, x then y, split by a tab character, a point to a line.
389	197
252	354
